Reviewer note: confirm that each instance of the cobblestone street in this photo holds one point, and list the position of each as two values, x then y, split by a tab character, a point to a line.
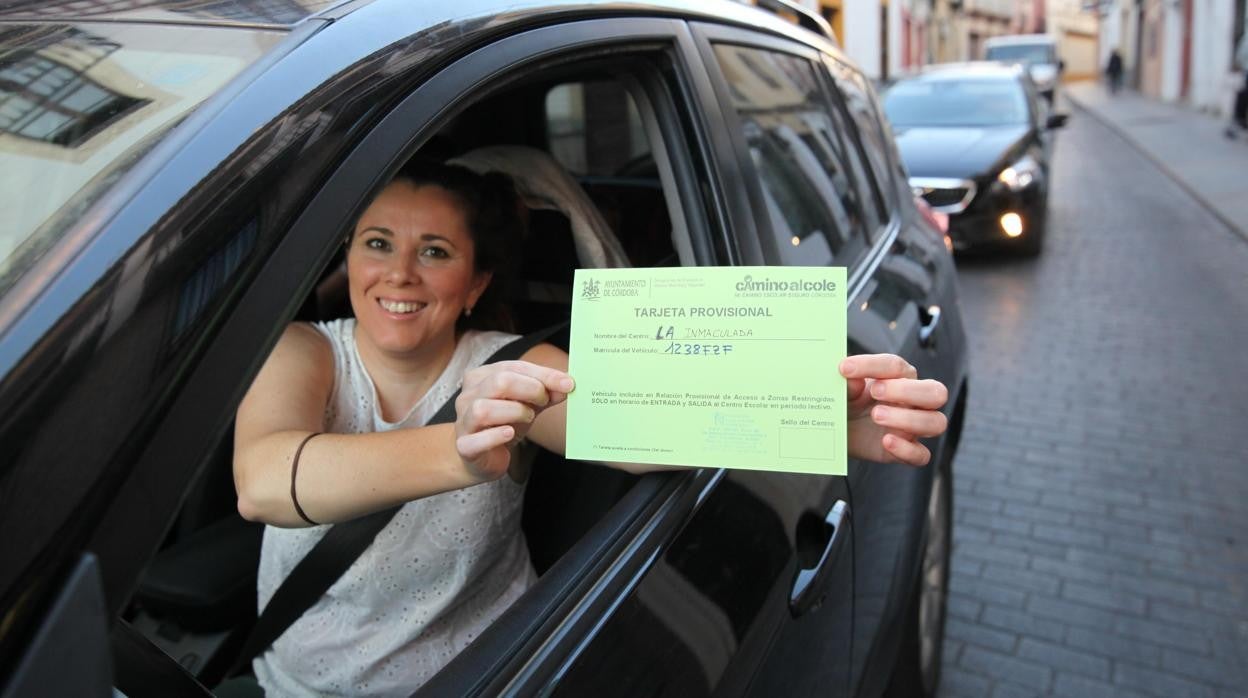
1101	535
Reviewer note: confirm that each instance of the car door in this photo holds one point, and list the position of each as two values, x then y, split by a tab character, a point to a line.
885	316
694	582
68	655
108	402
810	208
752	594
905	305
701	569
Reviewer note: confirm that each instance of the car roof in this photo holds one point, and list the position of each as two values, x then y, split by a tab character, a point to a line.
960	71
295	16
1019	39
242	13
286	14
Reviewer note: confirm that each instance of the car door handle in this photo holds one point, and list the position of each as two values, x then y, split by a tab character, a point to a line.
929	320
807	592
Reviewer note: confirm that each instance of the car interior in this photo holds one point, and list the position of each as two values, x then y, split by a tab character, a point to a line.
583	145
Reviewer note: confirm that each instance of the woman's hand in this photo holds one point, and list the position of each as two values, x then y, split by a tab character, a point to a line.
497	406
890	409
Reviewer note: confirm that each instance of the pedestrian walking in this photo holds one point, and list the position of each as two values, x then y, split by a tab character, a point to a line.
1239	115
1113	71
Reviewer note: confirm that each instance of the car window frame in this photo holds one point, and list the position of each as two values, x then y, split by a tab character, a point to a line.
1035	108
885	207
604	560
262	305
527	645
882	182
853	239
708	34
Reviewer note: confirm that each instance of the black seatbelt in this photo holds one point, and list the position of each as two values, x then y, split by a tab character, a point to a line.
343	544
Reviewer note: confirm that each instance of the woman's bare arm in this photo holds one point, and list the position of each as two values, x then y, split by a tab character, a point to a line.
341	476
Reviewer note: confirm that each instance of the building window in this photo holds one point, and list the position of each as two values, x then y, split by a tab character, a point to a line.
46	96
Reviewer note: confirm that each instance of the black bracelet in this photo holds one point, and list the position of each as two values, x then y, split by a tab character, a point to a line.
294	469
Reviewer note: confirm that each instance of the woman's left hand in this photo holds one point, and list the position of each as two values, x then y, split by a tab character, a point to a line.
890	409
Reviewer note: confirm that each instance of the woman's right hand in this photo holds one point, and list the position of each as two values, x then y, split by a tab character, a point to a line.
496	407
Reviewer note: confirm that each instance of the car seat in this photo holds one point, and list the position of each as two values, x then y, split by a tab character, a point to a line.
563	500
543	184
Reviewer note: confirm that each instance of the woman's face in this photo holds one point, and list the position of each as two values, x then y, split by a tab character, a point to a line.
411	268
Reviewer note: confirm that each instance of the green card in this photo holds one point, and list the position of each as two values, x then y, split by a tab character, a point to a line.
723	367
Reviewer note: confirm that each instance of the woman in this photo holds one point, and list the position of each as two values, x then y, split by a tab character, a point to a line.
1113	71
420	263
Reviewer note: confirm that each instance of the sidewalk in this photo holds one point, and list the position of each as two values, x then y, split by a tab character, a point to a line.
1188	145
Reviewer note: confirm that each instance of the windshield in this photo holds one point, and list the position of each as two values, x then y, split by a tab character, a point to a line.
80	104
1028	54
975	103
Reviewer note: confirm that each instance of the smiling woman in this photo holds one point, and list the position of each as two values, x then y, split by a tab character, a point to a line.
420	260
465	222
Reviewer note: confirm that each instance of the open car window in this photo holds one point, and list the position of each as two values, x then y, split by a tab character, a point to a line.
602	125
593	128
815	208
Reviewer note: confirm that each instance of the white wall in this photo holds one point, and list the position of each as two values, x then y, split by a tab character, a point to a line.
862	35
1130	32
1111	32
1078	51
1172	50
1212	83
894	37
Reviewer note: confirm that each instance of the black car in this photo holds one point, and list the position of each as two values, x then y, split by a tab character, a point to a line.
976	139
178	178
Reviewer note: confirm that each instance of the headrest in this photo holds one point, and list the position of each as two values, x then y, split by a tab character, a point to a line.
543	183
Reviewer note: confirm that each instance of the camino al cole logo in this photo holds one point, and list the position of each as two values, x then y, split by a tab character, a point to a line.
590	290
750	286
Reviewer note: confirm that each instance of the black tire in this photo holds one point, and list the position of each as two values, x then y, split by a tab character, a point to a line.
917	672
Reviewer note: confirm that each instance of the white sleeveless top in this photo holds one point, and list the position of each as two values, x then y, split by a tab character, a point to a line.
437	575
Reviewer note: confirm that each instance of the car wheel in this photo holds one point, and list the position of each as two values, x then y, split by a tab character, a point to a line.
917	672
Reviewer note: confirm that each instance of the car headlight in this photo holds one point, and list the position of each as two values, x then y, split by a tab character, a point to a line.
1021	174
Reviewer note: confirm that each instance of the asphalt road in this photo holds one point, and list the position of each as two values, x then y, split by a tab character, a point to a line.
1101	501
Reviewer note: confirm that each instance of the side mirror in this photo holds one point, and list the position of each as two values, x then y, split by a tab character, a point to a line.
1056	121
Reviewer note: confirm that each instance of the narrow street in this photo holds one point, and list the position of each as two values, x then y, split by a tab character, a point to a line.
1101	535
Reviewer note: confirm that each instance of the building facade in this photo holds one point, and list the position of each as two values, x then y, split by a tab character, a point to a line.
984	19
1076	28
888	37
1176	50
